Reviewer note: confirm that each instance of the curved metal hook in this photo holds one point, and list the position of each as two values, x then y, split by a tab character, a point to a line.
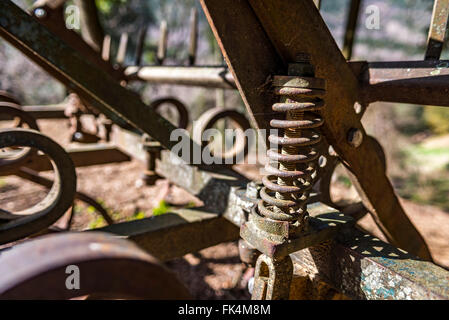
61	195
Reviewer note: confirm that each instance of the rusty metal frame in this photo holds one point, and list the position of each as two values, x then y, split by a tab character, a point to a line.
357	264
267	35
272	56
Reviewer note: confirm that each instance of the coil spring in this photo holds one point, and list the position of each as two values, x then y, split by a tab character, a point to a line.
287	185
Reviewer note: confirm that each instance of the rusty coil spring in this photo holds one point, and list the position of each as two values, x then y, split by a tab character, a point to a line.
288	183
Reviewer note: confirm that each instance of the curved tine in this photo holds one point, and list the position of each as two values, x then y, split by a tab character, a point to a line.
12	110
207	121
33	176
5	96
183	113
61	195
37	269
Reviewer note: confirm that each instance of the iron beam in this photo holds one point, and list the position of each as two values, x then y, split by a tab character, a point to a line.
415	82
177	233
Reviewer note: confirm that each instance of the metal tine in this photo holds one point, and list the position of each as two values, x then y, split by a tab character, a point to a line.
121	54
351	27
193	45
318	4
140	44
162	47
437	29
106	50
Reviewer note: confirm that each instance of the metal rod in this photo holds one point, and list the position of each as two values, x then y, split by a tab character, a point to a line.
121	54
211	77
119	104
351	27
140	44
437	29
106	51
162	47
91	31
193	44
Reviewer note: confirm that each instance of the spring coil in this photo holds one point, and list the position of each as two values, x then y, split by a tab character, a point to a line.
292	170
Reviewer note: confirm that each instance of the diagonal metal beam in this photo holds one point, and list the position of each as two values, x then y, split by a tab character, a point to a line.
116	102
258	38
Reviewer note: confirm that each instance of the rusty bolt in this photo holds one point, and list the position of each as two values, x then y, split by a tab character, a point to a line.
355	137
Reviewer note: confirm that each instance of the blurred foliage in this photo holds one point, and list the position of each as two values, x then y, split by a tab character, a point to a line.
161	209
437	118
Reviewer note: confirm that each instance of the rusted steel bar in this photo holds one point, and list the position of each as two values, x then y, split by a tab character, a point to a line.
84	156
106	48
37	269
121	53
437	29
212	187
140	44
415	82
210	77
351	26
54	4
52	17
265	27
193	40
176	233
163	40
46	112
91	29
118	103
41	112
366	268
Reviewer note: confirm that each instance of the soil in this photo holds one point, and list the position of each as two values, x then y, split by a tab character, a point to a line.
213	273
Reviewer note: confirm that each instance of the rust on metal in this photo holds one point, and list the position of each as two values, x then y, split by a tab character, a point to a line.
61	195
437	30
266	27
37	269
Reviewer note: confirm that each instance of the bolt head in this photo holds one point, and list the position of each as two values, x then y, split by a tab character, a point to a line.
40	13
355	137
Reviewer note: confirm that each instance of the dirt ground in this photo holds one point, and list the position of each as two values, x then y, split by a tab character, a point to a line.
213	273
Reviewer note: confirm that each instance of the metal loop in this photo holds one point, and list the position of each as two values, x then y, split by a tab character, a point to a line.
60	197
207	121
37	269
183	113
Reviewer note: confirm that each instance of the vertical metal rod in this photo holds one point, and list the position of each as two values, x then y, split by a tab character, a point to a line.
351	27
121	54
140	44
106	51
92	31
193	45
437	29
162	47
